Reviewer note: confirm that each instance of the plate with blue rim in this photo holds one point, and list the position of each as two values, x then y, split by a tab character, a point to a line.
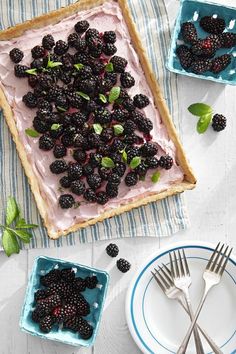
158	324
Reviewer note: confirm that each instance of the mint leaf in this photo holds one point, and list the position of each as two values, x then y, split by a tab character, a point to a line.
114	94
97	128
9	243
12	210
135	162
109	67
32	133
102	98
203	123
79	66
22	224
53	64
124	156
118	129
84	95
23	235
31	71
155	177
61	109
107	162
200	109
55	126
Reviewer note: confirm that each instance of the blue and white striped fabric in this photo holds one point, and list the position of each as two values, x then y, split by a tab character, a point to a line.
157	219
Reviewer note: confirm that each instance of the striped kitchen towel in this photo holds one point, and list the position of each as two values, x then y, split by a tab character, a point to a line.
157	219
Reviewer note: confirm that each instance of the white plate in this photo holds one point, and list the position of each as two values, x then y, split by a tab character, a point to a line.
158	324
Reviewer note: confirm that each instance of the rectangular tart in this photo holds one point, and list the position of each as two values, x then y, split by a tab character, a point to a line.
104	16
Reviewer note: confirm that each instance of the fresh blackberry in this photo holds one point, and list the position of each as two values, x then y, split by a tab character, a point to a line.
16	55
90	195
152	162
127	80
228	40
64	312
111	76
67	140
32	80
137	116
104	86
81	26
46	142
123	265
80	45
59	151
61	103
112	250
95	52
61	47
94	140
109	36
37	64
107	134
79	284
75	171
91	282
102	115
119	169
128	104
109	49
72	39
120	115
68	275
131	179
41	126
81	58
129	127
95	159
132	152
77	187
214	25
85	329
49	302
44	105
123	94
75	100
166	162
30	100
48	42
20	70
40	294
87	169
112	190
104	150
205	48
91	33
85	72
81	142
66	201
55	134
68	62
102	198
216	40
91	106
61	288
46	324
94	181
94	43
141	169
201	66
189	32
37	315
45	81
38	52
104	173
72	323
119	64
54	92
58	166
218	122
141	101
115	156
79	155
117	145
131	139
87	86
148	150
220	63
65	182
65	77
145	125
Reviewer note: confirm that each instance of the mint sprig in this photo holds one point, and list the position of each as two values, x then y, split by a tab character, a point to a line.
155	177
15	228
78	66
52	64
102	98
55	126
203	123
83	95
32	133
109	67
31	71
114	94
135	162
97	128
118	129
205	114
107	162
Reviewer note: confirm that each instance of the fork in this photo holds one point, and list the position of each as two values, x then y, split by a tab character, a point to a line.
165	282
182	280
212	276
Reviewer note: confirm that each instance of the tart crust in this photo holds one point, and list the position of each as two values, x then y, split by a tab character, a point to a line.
54	17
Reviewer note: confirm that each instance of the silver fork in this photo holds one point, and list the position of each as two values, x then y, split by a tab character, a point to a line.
182	280
165	282
212	276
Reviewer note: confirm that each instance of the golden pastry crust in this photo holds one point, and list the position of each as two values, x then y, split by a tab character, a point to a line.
54	17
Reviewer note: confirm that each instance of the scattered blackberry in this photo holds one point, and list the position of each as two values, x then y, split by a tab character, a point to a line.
128	104
85	72
77	187
114	178
152	162
80	155
65	182
81	26
20	70
137	116
66	201
189	32
90	195
228	39
216	40
104	173
218	122
214	25
87	169
95	159
49	302
166	162
91	282
79	284
37	64
109	49
123	265
46	142
85	329
61	47
132	152
94	140
102	115
46	324
41	294
32	80
148	150
201	66
141	101
44	105
68	275
30	100
220	63
119	169
112	190
91	33
97	67
131	179
205	48
120	115
67	139
129	127
48	42
123	94
107	134
41	126
65	77
119	64
94	181
75	171
16	55
104	150
127	80
81	58
117	145
72	323
102	198
80	45
45	81
38	52
111	76
109	36
112	250
54	92
72	39
145	125
75	100
185	56
59	151
61	103
87	86
141	169
104	86
131	139
58	166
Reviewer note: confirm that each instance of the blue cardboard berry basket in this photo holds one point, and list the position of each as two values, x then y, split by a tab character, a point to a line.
193	10
95	297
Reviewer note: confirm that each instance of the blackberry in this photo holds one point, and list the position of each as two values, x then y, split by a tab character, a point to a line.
87	86
46	324
128	104
61	47
123	94
102	198
102	116
109	49
104	86
75	171
115	156
61	103
72	39
79	302
114	178
214	25
64	312
37	64
201	66
131	139
205	48
72	323
55	134
131	153
81	58
107	134
112	190
45	81
97	66
112	250
58	166
166	162
94	43
59	151
37	315
85	329
131	179
50	302
20	70
66	201
67	61
75	100
16	55
218	122
41	126
38	52
48	42
104	150
120	115
189	32
119	64
81	142
94	140
32	80
137	116
54	92
141	101
185	56
44	105
117	145
81	26
152	162
80	45
129	127
46	142
94	181
141	169
77	187
95	159
65	77
111	76
123	265
104	173
90	195
91	282
228	40
61	288
127	80
87	169
40	294
79	156
220	63
85	72
65	182
145	125
109	36
68	275
148	150
79	284
216	40
91	33
30	100
119	169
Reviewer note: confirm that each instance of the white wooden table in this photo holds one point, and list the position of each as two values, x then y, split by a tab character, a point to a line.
211	205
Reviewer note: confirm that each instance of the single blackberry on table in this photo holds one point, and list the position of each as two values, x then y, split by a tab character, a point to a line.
20	70
219	122
87	169
16	55
109	49
109	37
72	39
107	134
141	101
148	150
205	48
128	104
145	125
79	155
58	166
75	171
37	315
220	63
81	26
131	139
185	56
32	80
129	127
45	81
85	329
141	169
119	169
214	25
48	42
79	284
40	294
46	324
120	115
152	162
90	195
30	100
189	32
38	52
112	250
228	40
59	151
127	80
104	86
94	181
131	179
112	190
132	152
41	126
46	142
119	63
102	198
104	173
123	265
68	275
61	47
201	66
166	162
91	282
91	33
77	187
66	201
72	323
65	182
102	115
87	86
111	76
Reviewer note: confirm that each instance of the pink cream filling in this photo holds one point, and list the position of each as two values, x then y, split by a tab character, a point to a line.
105	17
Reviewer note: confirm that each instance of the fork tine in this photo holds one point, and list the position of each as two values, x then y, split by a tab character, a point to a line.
186	262
172	266
168	271
166	275
158	282
176	265
181	264
219	254
166	284
225	262
212	256
219	259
